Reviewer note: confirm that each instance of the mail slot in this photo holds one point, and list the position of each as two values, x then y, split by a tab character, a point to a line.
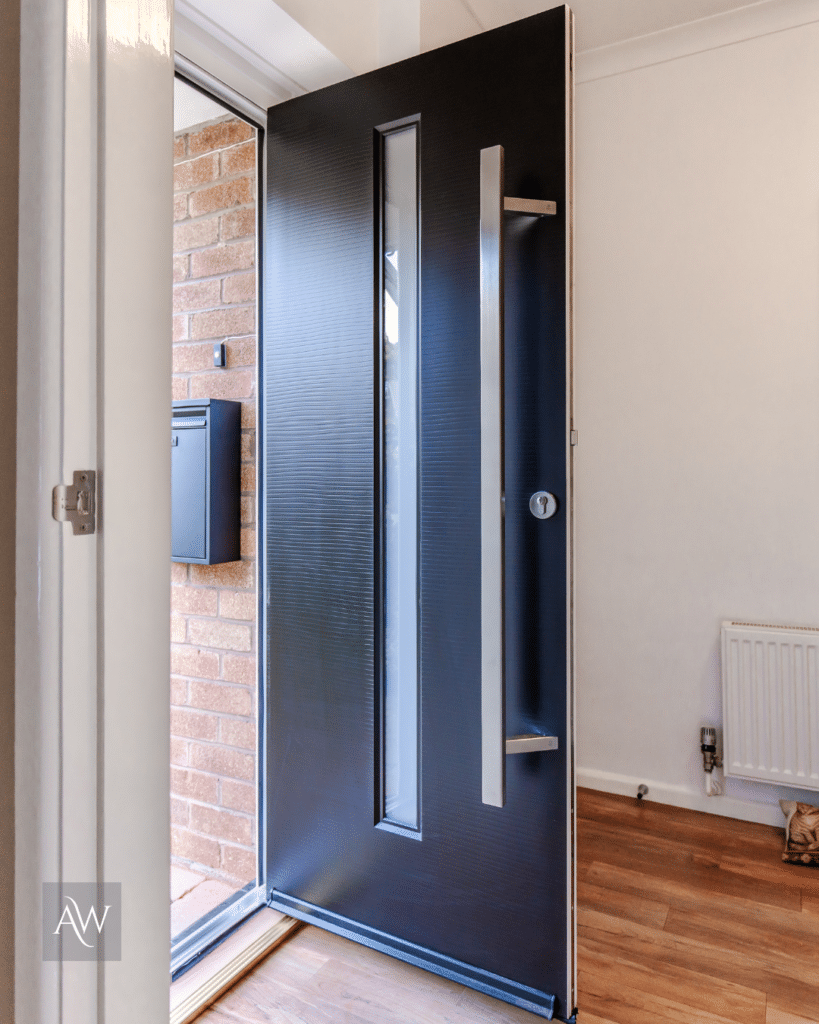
205	471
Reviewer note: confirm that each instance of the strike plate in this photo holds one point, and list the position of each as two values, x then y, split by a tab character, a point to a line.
76	503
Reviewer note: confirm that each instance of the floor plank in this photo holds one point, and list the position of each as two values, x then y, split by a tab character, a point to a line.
691	888
627	905
630	992
600	934
777	872
779	1016
683	918
772	944
708	831
696	868
810	904
478	1008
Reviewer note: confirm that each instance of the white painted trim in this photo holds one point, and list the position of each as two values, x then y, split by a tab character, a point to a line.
39	448
92	651
135	462
681	796
204	43
736	26
265	54
192	73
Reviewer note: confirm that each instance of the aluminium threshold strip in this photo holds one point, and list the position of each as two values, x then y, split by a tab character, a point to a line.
200	986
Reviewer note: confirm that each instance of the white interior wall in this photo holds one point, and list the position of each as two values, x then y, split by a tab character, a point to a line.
697	380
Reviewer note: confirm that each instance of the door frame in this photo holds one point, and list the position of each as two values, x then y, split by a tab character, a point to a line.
213	927
92	613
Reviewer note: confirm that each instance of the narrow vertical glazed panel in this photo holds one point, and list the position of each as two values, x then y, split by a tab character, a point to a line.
399	472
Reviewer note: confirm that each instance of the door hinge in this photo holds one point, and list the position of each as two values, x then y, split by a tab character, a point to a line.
572	437
76	503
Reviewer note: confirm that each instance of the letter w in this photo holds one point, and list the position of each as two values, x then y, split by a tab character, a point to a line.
84	924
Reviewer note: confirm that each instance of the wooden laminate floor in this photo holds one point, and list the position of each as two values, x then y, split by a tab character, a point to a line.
683	918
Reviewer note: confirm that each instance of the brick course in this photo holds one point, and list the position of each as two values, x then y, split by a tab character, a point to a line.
218	136
237	224
199	786
218	760
194	600
230	700
223	259
195	234
238	796
213	654
234	605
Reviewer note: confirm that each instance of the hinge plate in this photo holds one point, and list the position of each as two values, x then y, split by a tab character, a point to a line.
76	503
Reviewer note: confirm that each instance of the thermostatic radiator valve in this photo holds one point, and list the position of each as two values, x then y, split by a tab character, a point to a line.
710	760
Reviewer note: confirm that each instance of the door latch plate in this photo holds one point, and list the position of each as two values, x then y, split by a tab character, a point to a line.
76	503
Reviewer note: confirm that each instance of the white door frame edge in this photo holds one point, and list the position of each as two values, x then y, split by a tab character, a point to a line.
92	612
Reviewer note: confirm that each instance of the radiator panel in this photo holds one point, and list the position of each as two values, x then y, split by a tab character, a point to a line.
770	690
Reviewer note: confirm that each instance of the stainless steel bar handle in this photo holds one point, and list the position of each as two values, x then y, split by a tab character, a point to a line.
493	709
494	744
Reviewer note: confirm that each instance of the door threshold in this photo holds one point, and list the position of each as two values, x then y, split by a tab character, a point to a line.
533	1000
202	984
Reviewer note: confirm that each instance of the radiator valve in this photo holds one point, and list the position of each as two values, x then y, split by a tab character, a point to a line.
708	745
710	759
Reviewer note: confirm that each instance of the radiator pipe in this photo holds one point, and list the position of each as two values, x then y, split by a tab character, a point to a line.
710	760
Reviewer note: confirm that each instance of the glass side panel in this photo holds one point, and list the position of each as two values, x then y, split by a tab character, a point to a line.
216	638
400	475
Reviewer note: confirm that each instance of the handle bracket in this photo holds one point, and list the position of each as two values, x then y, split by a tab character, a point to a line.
531	207
530	743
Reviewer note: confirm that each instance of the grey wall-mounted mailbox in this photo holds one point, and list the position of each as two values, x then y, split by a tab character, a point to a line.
205	440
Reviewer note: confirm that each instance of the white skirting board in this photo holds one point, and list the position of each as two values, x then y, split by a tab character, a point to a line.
682	796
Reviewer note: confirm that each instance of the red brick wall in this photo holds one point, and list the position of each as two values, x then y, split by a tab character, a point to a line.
213	619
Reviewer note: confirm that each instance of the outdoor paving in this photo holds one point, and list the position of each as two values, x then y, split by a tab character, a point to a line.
192	895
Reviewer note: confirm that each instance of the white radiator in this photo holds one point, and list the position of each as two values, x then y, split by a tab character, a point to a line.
770	694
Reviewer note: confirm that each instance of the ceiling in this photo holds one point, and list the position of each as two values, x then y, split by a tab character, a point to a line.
271	51
597	22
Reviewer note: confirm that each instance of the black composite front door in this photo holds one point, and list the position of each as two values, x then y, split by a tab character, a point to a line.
414	619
